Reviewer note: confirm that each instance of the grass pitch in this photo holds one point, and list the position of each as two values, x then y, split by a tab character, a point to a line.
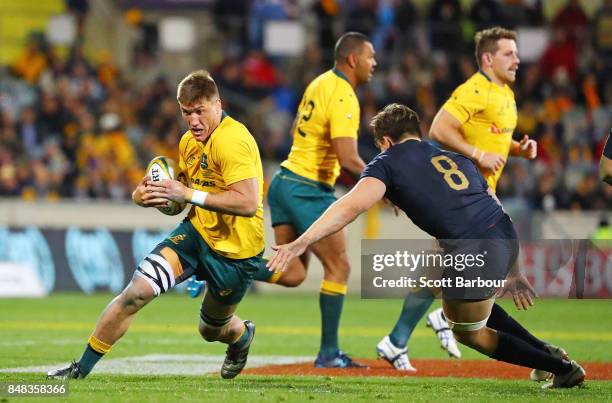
52	330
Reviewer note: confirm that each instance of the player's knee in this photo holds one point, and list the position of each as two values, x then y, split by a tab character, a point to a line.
133	298
469	334
208	333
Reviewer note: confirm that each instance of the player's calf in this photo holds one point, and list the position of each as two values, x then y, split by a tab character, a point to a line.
292	277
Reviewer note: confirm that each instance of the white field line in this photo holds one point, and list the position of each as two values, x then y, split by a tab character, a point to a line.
166	364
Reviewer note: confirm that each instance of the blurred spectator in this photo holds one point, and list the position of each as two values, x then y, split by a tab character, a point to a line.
445	25
560	56
326	11
486	14
602	33
79	9
32	62
573	20
75	127
406	20
263	11
362	17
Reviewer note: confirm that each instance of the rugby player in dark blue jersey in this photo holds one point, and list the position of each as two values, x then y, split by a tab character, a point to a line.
445	195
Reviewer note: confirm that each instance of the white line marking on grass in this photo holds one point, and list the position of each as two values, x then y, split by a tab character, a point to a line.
575	335
167	364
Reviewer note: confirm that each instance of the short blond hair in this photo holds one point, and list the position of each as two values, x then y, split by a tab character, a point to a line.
197	85
486	40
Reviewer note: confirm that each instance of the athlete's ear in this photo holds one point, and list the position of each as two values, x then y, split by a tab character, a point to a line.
487	58
386	142
351	60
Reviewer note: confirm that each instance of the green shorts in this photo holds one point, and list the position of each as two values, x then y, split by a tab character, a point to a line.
297	201
227	279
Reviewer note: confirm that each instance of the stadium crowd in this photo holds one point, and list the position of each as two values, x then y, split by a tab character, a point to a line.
72	127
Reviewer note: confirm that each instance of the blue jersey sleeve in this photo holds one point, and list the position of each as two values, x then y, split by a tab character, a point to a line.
378	169
608	147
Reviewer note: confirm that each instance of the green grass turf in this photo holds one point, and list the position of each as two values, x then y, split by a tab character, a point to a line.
333	389
55	329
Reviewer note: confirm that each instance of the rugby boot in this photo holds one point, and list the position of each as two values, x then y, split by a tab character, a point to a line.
398	357
340	360
540	375
573	378
72	371
436	321
236	356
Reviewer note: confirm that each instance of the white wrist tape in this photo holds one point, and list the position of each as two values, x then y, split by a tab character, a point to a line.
198	198
475	152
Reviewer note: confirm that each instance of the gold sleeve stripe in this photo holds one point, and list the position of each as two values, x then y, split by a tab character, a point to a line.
98	345
331	288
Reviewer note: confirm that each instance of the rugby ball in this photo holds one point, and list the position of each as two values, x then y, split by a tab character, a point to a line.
161	168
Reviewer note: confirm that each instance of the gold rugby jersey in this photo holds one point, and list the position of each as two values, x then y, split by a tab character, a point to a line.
329	109
229	155
488	116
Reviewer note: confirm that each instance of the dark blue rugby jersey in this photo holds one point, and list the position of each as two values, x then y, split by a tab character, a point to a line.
608	147
442	192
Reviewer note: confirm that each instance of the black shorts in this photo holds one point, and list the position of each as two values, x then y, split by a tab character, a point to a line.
480	266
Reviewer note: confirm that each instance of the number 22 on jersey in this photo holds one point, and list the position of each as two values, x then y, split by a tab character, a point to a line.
305	114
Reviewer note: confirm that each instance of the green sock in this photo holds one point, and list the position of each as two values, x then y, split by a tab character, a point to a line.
331	309
415	306
89	359
243	338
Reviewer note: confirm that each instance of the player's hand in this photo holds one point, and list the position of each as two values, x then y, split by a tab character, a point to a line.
522	292
142	197
396	209
167	189
528	148
284	254
491	161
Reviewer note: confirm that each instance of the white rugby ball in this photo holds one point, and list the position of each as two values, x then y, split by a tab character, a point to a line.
161	168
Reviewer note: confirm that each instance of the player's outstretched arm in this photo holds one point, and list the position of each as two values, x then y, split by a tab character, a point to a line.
241	199
348	156
367	192
446	130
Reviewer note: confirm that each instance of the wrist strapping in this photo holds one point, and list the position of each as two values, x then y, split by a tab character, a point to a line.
198	198
475	152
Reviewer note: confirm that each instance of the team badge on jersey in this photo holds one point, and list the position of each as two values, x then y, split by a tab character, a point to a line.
204	162
190	161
